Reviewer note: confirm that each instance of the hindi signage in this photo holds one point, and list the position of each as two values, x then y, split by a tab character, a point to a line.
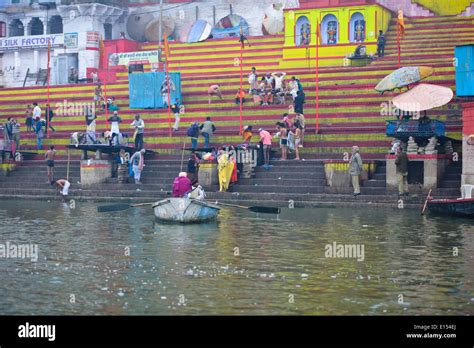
127	58
92	39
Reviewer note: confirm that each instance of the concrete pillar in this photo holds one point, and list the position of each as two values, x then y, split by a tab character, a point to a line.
468	144
95	171
36	63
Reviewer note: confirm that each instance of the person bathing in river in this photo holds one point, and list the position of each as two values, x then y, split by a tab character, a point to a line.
181	185
62	185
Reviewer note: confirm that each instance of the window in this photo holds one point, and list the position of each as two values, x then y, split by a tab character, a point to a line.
357	28
302	32
16	28
15	1
329	30
36	26
3	29
55	25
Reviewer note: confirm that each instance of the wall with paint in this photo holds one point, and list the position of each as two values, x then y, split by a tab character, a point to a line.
332	50
445	7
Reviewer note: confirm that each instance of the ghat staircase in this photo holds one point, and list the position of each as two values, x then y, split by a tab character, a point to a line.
350	109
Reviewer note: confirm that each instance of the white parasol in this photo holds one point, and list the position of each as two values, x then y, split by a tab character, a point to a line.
423	97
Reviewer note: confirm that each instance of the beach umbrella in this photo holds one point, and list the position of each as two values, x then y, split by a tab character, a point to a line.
403	77
423	97
152	28
136	24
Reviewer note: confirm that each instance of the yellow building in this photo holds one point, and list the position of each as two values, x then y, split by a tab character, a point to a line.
342	29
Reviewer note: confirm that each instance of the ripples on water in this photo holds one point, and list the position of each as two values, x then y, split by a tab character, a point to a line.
179	270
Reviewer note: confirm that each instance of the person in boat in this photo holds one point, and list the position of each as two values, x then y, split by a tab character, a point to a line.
197	192
181	185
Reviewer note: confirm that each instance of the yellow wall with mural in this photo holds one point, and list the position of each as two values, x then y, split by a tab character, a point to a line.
376	18
445	7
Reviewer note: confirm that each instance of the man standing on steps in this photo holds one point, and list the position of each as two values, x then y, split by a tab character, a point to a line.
114	128
49	114
49	155
266	139
381	44
139	126
138	162
355	169
36	114
401	163
207	130
176	109
15	136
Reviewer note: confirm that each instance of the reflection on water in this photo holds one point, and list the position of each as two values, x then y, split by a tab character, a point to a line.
244	263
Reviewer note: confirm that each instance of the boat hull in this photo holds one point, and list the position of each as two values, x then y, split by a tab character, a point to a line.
184	210
455	207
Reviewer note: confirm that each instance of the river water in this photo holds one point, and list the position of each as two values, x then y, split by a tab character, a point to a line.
242	264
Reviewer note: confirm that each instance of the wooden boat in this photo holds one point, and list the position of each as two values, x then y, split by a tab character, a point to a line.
184	210
457	207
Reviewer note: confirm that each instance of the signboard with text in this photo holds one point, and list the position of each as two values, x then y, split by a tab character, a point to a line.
92	40
127	58
71	40
33	41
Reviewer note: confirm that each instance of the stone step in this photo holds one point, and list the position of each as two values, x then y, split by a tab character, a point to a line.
380	176
374	183
279	189
284	169
452	176
292	182
289	175
450	184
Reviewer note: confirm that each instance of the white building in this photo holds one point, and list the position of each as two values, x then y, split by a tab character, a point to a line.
71	27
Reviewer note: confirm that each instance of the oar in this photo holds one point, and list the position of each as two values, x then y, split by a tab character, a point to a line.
255	209
426	202
119	207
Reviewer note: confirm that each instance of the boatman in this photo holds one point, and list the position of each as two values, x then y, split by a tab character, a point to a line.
181	185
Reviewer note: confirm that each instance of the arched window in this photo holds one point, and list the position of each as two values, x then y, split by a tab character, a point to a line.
55	25
329	30
303	32
3	29
357	28
16	28
35	26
